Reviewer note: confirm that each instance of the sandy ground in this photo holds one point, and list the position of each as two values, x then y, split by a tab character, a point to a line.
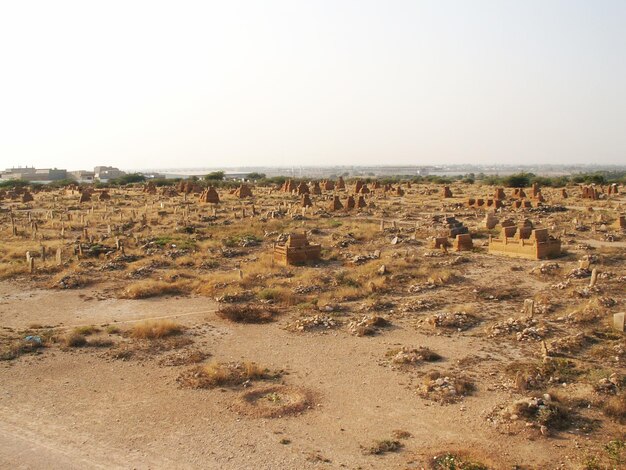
82	409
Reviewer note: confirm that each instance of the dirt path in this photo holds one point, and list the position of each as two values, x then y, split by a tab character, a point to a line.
83	409
63	308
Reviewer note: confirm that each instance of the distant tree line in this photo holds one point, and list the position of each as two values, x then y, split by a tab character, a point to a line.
217	179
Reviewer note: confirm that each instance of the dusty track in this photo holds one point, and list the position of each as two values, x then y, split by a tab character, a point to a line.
80	409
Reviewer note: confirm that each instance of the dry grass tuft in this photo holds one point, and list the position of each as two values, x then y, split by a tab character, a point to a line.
280	295
615	407
219	374
15	349
537	375
151	288
155	329
86	330
11	270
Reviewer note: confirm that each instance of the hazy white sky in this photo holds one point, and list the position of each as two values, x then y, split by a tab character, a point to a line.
225	83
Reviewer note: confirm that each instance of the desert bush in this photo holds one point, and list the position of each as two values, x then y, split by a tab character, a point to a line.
14	349
446	388
615	407
247	314
536	375
454	461
614	450
99	343
269	294
280	295
412	355
75	340
155	329
384	446
217	374
71	280
86	330
549	413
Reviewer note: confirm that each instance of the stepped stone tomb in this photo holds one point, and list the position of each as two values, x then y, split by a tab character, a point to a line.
525	242
297	250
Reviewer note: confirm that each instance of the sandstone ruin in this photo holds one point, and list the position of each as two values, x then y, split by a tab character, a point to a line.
85	196
243	191
104	196
306	201
210	195
297	250
302	189
150	188
525	242
335	204
463	242
315	189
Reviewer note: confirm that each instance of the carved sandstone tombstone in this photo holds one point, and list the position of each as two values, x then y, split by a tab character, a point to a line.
499	194
85	196
463	242
335	204
302	189
243	191
618	321
490	221
296	250
210	196
27	197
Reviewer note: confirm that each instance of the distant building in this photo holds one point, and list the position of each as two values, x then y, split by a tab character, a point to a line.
33	174
107	173
153	175
81	175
